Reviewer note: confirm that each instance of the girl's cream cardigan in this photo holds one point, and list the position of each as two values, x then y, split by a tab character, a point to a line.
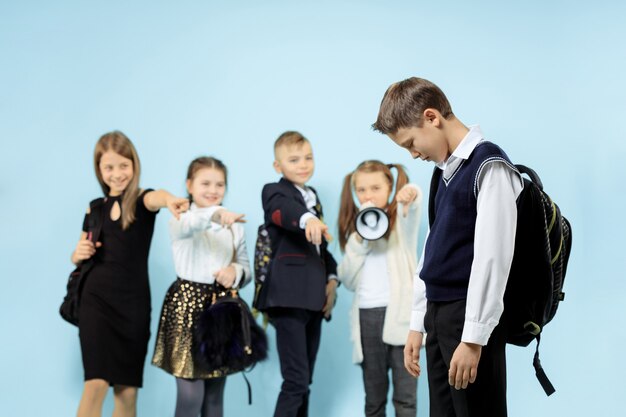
401	266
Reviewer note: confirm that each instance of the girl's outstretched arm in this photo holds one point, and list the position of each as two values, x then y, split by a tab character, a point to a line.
155	200
190	222
227	218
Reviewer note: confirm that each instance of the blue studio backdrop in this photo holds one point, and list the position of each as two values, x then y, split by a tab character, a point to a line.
544	79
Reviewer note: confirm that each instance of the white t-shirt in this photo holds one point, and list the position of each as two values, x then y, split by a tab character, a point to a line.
374	285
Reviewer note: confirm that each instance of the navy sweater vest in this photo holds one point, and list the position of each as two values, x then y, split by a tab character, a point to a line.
449	251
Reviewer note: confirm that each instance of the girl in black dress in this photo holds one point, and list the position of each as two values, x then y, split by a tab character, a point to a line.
114	316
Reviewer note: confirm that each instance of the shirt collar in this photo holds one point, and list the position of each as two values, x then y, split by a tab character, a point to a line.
308	195
465	148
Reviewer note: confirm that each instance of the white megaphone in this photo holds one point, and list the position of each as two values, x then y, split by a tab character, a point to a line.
372	223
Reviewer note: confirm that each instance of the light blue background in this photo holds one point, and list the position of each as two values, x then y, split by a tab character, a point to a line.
544	79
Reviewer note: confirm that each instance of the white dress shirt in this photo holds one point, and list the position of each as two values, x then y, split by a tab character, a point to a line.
494	242
310	199
202	247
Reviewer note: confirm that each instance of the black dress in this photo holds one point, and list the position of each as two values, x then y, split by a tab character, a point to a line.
114	316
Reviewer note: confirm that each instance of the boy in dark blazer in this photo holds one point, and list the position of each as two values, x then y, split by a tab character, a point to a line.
300	289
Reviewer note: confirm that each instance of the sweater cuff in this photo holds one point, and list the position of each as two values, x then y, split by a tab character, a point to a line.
474	332
360	248
238	274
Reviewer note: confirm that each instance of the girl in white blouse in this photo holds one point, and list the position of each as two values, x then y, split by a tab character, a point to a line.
209	247
380	273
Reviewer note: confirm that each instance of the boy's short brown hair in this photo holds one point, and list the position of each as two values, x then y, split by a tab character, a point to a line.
404	103
290	138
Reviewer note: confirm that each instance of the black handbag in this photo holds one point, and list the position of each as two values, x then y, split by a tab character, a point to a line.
71	301
227	337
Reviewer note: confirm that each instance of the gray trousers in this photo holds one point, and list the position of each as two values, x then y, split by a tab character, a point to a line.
378	359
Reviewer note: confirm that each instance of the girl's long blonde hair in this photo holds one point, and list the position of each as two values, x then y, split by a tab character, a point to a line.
119	143
348	209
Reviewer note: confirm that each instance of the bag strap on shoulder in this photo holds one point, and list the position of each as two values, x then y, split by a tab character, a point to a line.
96	218
523	169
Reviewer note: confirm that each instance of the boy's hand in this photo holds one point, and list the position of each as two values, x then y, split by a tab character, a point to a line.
177	205
227	218
331	297
226	276
412	353
314	231
464	365
406	196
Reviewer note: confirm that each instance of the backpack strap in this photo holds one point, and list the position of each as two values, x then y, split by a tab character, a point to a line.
540	373
523	169
434	185
249	387
96	218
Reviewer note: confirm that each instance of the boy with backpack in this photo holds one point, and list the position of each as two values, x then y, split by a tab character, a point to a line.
463	272
300	287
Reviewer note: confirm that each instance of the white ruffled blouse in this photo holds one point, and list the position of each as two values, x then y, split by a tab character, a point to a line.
201	247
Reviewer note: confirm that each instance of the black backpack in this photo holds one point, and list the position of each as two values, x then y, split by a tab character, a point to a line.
71	302
262	259
543	242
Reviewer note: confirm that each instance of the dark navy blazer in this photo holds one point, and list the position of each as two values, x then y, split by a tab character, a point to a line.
298	274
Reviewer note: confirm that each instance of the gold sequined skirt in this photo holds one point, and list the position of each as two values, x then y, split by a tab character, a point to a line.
184	301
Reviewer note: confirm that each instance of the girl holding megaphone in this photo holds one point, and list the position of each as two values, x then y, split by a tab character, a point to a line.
379	241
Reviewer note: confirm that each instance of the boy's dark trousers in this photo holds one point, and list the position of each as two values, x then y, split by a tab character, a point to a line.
297	340
487	395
